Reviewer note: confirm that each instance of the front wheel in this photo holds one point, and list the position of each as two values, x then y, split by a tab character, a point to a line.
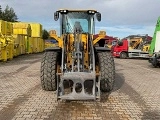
107	70
154	62
48	71
123	55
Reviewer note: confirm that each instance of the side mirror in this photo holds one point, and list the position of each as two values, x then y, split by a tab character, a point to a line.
98	15
56	16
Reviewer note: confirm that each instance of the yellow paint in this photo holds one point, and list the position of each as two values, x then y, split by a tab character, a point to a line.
9	28
70	48
134	42
6	28
6	51
21	28
101	35
29	45
53	34
2	27
36	29
146	48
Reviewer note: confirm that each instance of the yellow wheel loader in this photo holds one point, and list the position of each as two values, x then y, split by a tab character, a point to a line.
79	68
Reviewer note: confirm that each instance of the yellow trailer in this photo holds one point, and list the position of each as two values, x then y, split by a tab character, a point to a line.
3	27
9	28
21	32
6	49
36	34
35	41
36	30
19	45
29	44
6	40
22	28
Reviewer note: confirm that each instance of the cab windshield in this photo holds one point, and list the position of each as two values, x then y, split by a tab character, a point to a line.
82	20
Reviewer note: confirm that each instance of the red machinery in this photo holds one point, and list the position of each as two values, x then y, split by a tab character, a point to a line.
132	46
107	41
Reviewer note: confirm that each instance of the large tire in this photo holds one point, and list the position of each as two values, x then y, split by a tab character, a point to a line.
48	71
123	55
107	71
154	63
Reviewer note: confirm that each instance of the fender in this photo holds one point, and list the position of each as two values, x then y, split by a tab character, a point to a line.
53	49
102	49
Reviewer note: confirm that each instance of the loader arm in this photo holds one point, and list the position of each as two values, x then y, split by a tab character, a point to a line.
53	34
101	35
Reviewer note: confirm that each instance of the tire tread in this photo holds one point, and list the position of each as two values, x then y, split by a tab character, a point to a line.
48	71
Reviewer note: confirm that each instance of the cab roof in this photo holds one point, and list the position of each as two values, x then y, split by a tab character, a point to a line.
78	10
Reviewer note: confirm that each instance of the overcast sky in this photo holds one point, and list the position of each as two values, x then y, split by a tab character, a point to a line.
120	18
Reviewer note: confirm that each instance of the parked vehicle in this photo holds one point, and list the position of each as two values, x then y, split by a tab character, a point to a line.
154	51
132	46
77	69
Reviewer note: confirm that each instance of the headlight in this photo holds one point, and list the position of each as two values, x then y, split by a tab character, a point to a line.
91	12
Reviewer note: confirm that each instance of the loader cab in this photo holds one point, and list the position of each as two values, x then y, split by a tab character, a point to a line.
84	19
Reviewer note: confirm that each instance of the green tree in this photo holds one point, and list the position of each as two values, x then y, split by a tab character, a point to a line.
9	15
0	12
45	34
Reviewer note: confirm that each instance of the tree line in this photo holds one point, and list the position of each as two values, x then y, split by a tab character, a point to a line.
8	14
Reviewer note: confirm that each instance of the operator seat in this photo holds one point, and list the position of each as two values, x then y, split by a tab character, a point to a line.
78	27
